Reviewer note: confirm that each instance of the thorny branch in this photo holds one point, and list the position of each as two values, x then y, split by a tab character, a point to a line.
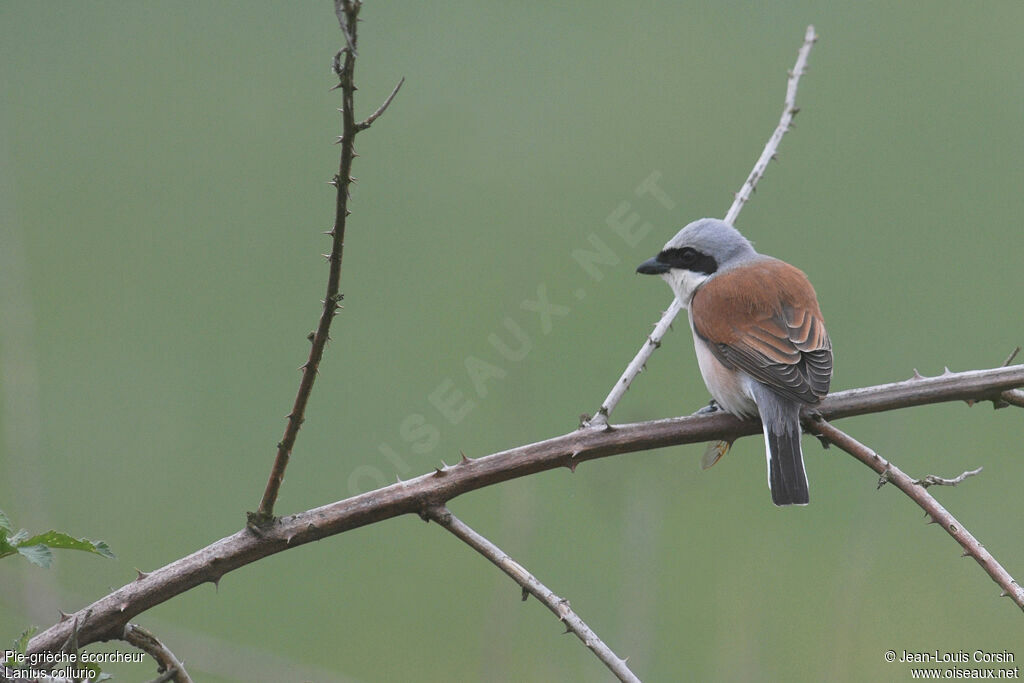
347	12
530	585
1011	397
916	491
933	480
105	618
170	666
653	341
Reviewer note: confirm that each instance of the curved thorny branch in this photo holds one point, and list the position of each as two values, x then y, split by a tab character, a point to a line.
344	67
916	490
105	618
171	667
531	586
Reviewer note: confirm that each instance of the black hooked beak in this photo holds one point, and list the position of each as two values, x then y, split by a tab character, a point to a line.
652	266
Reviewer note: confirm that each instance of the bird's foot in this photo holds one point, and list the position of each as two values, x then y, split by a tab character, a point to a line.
711	407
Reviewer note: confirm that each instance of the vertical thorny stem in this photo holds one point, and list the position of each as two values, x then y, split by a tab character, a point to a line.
344	66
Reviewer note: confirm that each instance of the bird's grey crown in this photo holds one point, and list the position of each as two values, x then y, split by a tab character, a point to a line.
713	237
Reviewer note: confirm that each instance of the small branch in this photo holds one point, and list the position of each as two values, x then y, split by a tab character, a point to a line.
789	110
105	618
347	12
636	366
172	669
917	492
558	606
368	121
1013	397
932	480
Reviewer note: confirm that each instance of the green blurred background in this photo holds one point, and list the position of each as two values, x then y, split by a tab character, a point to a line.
163	197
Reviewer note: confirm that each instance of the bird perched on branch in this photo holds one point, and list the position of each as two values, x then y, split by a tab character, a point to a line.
760	339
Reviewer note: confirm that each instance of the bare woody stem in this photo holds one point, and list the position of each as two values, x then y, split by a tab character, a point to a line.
344	66
148	643
105	618
771	148
530	585
345	69
916	490
789	110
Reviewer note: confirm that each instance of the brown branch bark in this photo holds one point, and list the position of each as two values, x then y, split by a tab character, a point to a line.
106	618
530	585
917	491
170	666
347	12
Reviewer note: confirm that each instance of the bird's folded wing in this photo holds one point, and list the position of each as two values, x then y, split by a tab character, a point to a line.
765	320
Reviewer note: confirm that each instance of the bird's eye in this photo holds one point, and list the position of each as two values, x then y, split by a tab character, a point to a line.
687	256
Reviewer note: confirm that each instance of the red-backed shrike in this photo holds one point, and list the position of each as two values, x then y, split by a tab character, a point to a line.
760	339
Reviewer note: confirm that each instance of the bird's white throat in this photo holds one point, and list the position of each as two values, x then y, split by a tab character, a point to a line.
684	283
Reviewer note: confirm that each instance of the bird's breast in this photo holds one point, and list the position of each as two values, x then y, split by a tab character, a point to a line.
729	387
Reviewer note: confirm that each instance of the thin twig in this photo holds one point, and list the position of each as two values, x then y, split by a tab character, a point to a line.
368	121
918	493
1013	397
148	643
789	110
347	12
105	618
529	583
165	677
933	480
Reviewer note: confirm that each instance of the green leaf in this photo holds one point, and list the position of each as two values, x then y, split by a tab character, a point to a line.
21	644
5	547
37	554
56	539
5	523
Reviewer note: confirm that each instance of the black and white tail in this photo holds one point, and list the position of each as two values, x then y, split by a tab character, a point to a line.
786	477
